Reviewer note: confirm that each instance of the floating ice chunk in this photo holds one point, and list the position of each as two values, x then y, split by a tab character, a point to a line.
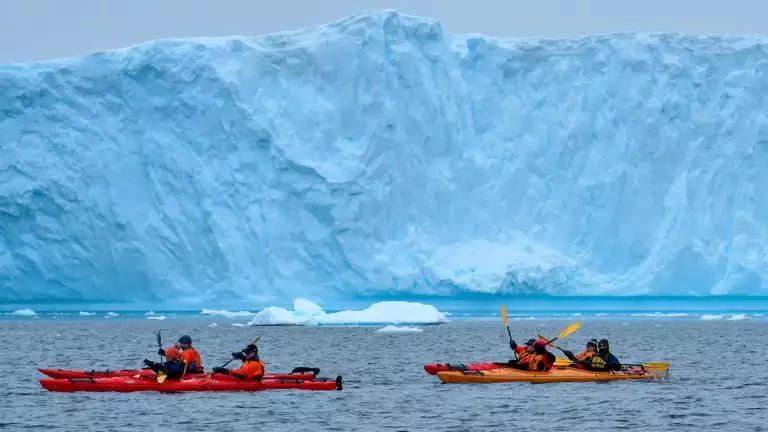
226	313
661	314
396	329
707	317
24	312
389	312
110	314
737	317
238	325
212	325
157	317
87	313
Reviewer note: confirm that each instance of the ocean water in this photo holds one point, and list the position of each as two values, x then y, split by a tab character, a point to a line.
717	382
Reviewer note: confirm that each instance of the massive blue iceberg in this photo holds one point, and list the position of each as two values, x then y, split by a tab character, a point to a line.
379	154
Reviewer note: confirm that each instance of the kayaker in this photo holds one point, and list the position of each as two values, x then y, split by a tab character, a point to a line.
189	355
520	350
538	360
609	361
252	367
584	358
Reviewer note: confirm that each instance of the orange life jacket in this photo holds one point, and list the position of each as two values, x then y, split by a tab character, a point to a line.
191	357
535	363
250	369
585	357
520	351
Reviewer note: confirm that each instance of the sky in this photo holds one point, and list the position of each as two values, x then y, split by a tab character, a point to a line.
32	30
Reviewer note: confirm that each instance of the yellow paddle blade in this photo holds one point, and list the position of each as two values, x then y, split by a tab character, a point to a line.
504	315
255	340
656	366
161	377
562	362
544	338
571	328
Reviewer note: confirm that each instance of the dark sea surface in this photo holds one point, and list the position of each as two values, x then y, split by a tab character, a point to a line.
718	377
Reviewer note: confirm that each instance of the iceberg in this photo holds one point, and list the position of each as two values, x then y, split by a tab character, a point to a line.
157	317
390	312
226	313
381	155
396	329
87	313
24	312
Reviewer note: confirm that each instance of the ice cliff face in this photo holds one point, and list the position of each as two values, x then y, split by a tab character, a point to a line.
380	154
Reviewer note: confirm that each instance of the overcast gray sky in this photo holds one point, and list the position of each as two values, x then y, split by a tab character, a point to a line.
43	29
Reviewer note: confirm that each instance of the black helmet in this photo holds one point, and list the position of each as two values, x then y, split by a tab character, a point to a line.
603	342
252	348
592	342
530	342
185	340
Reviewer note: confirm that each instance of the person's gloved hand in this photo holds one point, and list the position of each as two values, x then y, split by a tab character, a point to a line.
570	355
512	344
161	352
221	370
239	355
148	362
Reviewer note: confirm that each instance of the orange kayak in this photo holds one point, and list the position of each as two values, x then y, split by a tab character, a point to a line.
566	374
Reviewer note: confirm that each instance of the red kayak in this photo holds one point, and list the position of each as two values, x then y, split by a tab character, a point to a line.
434	368
148	373
210	383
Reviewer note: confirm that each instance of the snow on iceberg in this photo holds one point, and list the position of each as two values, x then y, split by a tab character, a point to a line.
226	313
87	313
380	153
24	312
732	317
389	312
396	329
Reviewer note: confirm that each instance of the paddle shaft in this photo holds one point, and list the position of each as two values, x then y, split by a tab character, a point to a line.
160	344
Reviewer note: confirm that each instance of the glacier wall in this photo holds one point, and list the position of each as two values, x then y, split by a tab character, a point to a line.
381	154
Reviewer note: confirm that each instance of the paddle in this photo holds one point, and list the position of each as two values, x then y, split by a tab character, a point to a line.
567	362
568	331
506	320
161	376
159	344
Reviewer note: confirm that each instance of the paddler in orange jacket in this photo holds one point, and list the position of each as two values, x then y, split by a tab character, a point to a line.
584	358
520	350
252	367
189	355
538	360
177	363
